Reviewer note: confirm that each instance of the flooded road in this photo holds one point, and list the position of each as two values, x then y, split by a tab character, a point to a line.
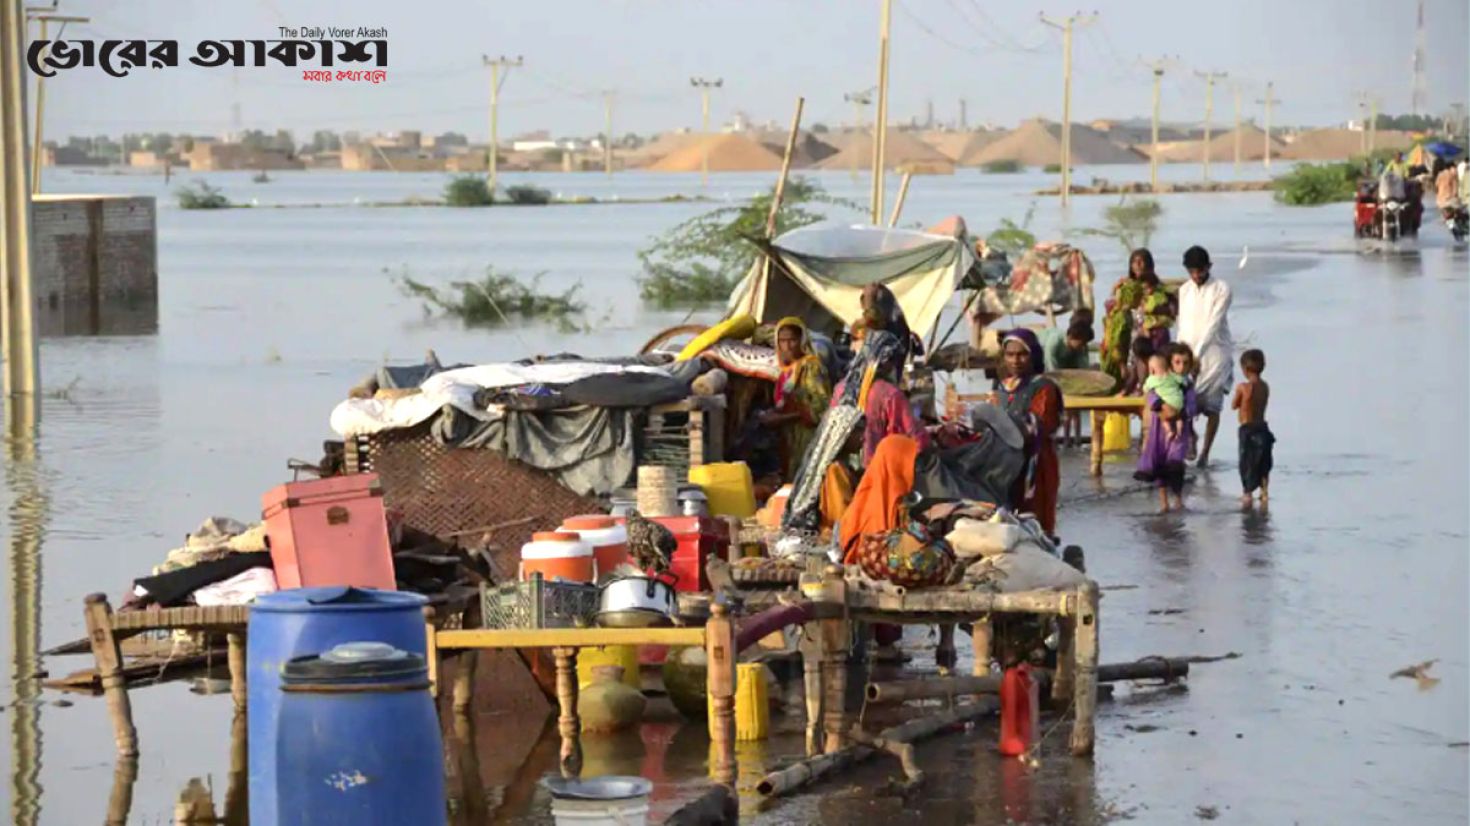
267	317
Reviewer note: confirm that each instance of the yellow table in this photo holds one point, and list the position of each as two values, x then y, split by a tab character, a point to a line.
1099	406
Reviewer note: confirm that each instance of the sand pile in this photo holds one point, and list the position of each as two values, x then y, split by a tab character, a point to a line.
727	153
1222	147
665	144
1039	143
957	145
1340	144
810	148
900	149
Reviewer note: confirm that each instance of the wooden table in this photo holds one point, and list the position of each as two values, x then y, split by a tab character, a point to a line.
1099	406
717	636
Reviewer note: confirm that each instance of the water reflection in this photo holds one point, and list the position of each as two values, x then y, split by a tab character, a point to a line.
1255	526
27	518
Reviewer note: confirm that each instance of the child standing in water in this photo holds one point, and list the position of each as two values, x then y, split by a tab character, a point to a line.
1169	387
1255	437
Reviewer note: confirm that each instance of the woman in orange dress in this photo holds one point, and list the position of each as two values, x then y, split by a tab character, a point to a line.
1029	395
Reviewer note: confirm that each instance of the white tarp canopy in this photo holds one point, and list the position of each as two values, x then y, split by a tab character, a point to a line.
820	271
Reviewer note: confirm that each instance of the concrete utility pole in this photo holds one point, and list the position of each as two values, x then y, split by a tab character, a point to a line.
1372	125
964	120
1209	78
496	65
17	332
704	86
858	101
1363	115
1271	101
45	17
1420	96
880	124
1066	26
607	127
1157	67
1235	88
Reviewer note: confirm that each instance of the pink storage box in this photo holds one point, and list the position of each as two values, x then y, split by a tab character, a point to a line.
329	532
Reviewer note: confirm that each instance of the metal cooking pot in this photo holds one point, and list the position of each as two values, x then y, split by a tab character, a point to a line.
637	593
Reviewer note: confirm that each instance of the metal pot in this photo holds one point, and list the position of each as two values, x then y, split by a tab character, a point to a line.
636	596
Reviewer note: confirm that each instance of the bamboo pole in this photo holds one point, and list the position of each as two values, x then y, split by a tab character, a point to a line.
880	121
569	725
938	688
1085	641
801	773
18	348
903	191
109	670
720	673
759	287
120	800
237	787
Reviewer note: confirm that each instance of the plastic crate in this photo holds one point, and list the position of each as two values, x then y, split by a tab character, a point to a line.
537	603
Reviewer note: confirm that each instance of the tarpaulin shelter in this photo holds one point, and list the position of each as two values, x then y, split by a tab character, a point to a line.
1050	276
818	273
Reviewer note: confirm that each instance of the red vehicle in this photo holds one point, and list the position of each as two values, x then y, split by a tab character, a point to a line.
1374	217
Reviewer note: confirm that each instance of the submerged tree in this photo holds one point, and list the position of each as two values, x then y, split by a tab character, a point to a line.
1130	224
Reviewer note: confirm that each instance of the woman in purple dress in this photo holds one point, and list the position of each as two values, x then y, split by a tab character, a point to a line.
1162	459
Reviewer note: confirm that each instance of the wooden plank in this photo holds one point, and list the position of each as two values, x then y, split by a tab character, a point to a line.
566	637
218	617
1122	404
960	602
1085	648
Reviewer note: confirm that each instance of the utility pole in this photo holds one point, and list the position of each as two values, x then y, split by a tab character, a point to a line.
964	120
607	127
1363	115
1157	67
1066	26
1420	97
44	16
880	123
17	332
492	159
1372	125
1209	78
1235	88
858	101
704	86
1271	101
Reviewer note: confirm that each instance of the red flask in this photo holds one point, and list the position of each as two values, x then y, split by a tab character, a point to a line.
1017	710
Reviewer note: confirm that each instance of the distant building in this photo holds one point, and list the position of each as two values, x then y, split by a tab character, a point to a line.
211	156
363	157
53	155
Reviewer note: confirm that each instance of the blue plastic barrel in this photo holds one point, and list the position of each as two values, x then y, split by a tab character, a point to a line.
358	740
302	621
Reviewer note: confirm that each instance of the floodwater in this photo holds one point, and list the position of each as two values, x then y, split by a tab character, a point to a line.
267	316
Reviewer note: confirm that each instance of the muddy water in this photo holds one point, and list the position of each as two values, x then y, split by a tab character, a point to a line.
266	316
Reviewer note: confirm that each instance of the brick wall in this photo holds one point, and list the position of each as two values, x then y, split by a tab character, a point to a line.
95	265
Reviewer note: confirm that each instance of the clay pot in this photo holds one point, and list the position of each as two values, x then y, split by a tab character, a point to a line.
610	704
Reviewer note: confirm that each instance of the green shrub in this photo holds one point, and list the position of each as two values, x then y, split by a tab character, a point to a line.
527	195
468	191
1130	224
200	195
702	259
1311	183
1052	168
496	299
995	167
1012	238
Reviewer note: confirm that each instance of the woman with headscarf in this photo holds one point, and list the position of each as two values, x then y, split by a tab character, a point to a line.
802	392
871	385
881	311
1138	307
1027	394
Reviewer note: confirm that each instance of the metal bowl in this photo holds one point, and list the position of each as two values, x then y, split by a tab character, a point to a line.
610	787
633	618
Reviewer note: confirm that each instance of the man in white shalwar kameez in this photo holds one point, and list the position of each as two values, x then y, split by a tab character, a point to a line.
1204	303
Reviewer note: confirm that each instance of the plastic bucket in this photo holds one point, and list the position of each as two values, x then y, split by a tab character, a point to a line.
599	801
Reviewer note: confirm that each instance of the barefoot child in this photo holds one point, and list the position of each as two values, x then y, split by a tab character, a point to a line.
1162	459
1255	437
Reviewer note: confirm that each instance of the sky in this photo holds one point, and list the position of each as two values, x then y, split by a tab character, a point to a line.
995	55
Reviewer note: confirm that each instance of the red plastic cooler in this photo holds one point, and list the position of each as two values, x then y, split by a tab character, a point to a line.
329	532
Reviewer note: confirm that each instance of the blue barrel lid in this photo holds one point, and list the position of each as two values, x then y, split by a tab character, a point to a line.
377	663
336	598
